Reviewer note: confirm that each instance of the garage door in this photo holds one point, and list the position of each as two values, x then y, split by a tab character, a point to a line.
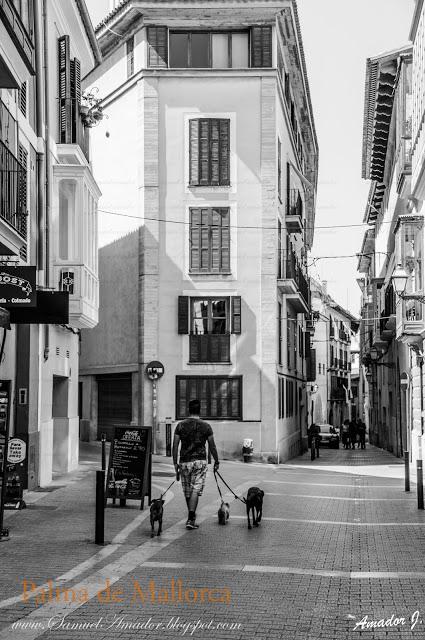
114	402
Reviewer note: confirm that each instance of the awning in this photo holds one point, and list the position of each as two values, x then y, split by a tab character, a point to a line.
303	179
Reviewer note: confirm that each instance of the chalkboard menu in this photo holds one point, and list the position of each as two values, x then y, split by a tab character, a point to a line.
129	470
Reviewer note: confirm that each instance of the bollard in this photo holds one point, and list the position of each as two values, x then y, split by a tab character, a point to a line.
168	439
100	508
420	481
317	447
313	449
406	472
103	451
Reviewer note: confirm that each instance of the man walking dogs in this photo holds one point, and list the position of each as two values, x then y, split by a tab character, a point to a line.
192	434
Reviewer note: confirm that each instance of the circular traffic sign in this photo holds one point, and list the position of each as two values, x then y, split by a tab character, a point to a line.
155	370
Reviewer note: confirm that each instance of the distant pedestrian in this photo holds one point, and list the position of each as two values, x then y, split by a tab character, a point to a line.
361	429
352	431
345	434
192	434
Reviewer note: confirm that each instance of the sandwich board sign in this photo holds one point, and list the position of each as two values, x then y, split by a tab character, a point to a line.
130	464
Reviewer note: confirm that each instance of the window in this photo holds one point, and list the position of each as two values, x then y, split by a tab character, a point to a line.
157	47
289	395
209	152
130	56
220	396
209	235
279	332
279	249
67	190
209	316
320	368
206	49
261	47
279	169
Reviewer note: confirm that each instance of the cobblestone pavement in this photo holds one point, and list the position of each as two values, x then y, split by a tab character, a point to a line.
340	547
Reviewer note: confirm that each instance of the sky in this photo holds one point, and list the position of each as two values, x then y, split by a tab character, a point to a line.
338	36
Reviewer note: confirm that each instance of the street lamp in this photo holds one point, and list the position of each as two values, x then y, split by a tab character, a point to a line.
399	280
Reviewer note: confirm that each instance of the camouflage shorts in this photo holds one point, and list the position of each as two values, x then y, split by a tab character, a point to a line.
193	476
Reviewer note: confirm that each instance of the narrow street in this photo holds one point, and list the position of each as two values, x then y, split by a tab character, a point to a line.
339	540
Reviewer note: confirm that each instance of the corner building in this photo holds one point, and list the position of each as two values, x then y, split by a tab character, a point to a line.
210	122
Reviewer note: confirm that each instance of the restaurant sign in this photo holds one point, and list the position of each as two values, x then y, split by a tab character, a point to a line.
17	287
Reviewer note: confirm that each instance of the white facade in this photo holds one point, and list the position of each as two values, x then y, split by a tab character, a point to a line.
150	112
41	360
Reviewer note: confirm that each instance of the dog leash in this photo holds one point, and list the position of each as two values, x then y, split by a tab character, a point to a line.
163	494
216	473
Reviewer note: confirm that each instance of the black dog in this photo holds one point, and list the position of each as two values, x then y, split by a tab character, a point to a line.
223	512
254	503
157	511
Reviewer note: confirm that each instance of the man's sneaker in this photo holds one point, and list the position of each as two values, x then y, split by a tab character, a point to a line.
191	524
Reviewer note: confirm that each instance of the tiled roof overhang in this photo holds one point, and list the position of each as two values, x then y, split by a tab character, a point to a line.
368	247
374	201
381	78
381	75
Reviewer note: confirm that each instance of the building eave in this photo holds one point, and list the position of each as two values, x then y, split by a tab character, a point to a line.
415	20
381	75
88	26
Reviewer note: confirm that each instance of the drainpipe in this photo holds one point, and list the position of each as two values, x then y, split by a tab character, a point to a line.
48	166
48	163
40	132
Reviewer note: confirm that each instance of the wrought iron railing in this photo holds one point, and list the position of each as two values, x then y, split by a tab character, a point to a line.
292	270
73	130
294	204
13	191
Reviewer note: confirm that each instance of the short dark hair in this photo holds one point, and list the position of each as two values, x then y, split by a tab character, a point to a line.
194	407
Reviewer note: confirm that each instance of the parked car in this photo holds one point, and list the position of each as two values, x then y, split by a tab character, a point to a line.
329	435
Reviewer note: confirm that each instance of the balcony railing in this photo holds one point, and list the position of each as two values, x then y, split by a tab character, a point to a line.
413	310
209	347
294	206
74	131
292	270
13	191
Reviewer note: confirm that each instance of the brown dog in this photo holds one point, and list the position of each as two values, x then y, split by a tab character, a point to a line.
157	511
254	503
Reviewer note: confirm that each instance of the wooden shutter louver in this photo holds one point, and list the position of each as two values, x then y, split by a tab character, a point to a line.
65	111
236	314
209	152
195	239
23	98
75	91
261	47
183	315
194	152
158	47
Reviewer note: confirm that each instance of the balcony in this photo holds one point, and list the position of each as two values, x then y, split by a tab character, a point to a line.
13	204
344	336
212	348
10	17
410	327
294	284
74	132
388	315
294	211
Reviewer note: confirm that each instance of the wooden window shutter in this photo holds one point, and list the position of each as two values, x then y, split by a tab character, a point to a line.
75	75
158	47
261	47
214	147
65	116
236	314
195	239
23	98
224	152
225	240
194	152
23	180
204	152
183	315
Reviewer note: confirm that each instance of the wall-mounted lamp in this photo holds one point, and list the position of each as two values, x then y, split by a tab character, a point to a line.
399	280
